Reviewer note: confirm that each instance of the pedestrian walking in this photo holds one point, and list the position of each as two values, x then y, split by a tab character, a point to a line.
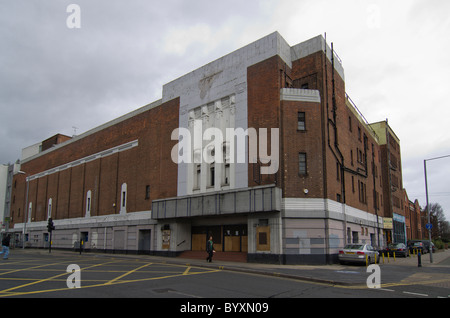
5	246
210	249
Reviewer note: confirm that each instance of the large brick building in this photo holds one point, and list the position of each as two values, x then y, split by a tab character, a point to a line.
134	185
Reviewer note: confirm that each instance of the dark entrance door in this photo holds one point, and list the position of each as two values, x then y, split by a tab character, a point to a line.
144	241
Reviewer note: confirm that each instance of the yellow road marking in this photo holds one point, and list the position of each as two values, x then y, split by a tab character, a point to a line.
6	291
116	282
128	273
28	268
14	291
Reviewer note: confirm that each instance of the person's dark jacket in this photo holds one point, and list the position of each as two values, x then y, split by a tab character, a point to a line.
5	241
209	246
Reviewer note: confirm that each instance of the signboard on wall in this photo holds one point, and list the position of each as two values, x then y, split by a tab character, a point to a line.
387	223
263	238
166	239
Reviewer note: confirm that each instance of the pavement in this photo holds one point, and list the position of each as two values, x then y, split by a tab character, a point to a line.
393	271
396	271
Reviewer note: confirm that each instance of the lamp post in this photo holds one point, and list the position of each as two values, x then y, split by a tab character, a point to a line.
428	208
26	209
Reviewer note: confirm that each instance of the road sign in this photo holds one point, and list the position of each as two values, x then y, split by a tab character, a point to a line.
429	226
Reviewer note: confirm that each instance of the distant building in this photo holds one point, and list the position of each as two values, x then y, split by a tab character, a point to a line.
3	188
412	217
6	182
302	175
393	195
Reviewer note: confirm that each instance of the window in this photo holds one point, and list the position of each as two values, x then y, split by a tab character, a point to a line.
49	209
211	175
123	199
362	192
226	180
147	192
226	165
197	176
30	210
353	184
88	203
301	125
302	163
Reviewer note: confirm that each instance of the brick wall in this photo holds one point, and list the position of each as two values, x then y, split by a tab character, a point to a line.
264	81
297	141
147	164
343	157
337	142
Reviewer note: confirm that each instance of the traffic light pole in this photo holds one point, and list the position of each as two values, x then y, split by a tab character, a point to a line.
50	245
428	207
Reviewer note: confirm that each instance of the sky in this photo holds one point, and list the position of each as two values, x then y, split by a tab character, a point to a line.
65	70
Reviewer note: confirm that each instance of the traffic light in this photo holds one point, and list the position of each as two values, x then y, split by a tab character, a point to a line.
50	225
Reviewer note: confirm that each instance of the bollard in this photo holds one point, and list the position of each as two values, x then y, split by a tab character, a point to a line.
419	259
393	253
388	257
367	260
383	257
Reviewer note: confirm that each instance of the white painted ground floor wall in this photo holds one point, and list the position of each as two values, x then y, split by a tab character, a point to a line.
305	231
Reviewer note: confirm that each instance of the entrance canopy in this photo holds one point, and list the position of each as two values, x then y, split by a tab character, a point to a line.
247	200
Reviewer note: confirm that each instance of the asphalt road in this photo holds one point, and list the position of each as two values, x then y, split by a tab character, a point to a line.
36	274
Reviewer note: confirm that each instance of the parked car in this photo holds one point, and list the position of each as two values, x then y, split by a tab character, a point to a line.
357	253
381	250
417	245
399	249
428	247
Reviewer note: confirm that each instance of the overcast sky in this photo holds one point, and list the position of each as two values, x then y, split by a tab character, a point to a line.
53	78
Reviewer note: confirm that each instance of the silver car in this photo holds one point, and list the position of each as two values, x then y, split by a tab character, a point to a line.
358	253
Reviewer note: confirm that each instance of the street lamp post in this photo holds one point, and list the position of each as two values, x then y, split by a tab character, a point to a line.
428	208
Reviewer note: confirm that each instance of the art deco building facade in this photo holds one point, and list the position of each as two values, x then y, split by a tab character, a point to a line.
262	149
